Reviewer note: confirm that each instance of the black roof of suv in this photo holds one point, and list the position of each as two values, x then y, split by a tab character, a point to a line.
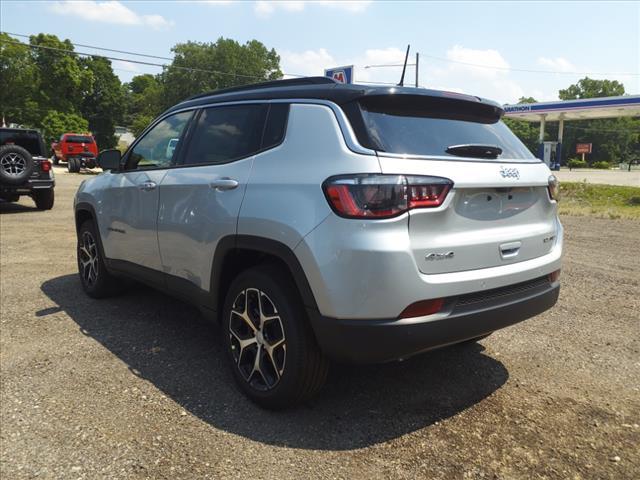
325	88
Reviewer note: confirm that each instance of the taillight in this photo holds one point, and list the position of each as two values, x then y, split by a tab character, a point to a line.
45	165
554	188
383	196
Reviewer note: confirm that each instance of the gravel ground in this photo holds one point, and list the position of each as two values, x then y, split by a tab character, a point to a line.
137	386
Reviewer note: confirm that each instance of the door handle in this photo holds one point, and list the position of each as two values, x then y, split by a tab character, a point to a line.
224	183
147	186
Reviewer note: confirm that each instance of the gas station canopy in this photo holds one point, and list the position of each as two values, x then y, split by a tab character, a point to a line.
588	108
583	109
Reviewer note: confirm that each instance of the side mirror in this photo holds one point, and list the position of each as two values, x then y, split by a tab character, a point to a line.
109	159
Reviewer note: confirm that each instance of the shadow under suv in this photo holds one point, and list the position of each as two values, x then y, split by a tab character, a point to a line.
317	221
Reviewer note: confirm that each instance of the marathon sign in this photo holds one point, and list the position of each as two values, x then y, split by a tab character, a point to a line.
340	74
517	108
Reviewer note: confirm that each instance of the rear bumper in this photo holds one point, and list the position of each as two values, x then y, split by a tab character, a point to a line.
378	341
28	187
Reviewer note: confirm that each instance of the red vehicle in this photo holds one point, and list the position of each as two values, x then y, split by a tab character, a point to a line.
77	149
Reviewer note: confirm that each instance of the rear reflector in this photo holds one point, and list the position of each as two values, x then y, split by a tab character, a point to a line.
554	276
383	196
422	308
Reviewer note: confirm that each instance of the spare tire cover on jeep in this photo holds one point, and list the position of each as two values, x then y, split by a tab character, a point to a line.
16	164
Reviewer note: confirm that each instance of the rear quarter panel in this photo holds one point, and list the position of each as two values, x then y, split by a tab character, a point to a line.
284	199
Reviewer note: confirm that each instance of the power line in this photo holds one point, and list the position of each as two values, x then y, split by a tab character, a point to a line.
162	65
526	70
101	48
442	59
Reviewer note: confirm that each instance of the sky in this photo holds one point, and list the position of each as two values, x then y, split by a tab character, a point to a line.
476	47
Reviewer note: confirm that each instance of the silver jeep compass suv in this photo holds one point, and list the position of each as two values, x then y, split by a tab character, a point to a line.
314	221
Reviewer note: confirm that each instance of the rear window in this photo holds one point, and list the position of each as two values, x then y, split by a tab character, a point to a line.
30	141
78	139
435	125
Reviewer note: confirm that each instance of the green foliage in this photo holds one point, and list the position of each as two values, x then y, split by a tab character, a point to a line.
527	132
140	123
225	63
62	81
18	75
144	96
56	123
577	163
611	201
601	165
103	104
589	88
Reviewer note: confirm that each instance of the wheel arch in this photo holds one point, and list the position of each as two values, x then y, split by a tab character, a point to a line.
84	211
236	253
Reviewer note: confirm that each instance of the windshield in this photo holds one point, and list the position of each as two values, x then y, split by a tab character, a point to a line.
30	141
78	139
415	134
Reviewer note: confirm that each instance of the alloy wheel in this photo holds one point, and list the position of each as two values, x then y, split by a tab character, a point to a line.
13	164
257	339
88	257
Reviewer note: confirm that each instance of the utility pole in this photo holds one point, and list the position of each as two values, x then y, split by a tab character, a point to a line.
417	67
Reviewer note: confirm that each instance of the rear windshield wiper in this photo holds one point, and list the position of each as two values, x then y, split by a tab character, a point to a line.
477	151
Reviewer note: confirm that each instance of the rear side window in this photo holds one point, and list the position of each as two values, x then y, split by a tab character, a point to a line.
30	141
435	127
276	125
225	134
78	139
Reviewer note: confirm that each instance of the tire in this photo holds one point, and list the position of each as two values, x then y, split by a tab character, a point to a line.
292	368
73	165
16	164
96	281
44	199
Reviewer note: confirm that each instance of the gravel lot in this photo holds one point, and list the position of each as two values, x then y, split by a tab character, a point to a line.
137	386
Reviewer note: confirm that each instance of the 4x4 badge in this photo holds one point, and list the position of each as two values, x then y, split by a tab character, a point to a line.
439	256
510	173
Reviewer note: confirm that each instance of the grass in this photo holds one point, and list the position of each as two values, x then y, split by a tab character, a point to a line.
604	201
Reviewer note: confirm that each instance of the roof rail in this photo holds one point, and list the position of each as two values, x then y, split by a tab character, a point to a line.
291	82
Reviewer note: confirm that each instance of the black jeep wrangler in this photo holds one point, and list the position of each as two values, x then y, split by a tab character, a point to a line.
24	167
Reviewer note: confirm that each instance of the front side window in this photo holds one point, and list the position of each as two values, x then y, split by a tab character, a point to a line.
225	134
157	149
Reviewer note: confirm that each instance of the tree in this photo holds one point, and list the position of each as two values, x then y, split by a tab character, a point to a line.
62	81
200	67
143	97
527	132
589	88
18	75
56	123
613	139
103	104
139	123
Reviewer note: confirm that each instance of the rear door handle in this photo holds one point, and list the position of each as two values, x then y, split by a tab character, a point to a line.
225	183
510	250
147	186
